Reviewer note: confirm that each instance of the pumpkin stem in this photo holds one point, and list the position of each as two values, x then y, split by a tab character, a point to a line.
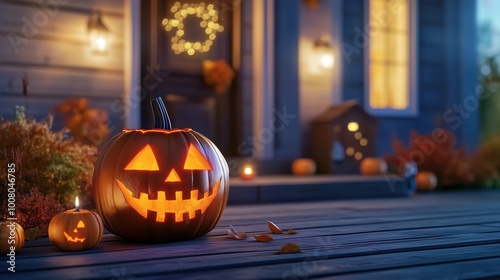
162	120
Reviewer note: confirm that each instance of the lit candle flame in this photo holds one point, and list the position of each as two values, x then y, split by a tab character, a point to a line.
77	203
247	170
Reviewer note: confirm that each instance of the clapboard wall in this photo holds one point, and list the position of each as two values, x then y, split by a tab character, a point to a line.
434	94
47	41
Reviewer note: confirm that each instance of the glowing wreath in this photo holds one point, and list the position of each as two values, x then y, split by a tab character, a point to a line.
209	22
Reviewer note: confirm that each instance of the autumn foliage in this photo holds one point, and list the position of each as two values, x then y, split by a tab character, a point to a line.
87	125
437	153
51	169
218	74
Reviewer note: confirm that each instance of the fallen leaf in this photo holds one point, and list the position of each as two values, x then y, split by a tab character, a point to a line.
291	231
263	238
33	233
236	235
274	228
289	248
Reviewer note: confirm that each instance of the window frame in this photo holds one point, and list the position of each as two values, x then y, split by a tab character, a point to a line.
413	108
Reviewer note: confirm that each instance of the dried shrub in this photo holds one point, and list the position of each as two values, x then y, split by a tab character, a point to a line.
437	153
50	162
35	209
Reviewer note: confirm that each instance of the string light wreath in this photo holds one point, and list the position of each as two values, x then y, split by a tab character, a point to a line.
209	22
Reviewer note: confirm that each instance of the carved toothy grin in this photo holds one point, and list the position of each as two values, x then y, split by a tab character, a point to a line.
73	239
162	206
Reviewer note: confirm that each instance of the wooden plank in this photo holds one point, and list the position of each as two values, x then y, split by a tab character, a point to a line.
307	188
108	7
115	250
40	107
360	238
273	180
420	206
333	234
426	266
474	269
64	83
156	259
61	24
58	54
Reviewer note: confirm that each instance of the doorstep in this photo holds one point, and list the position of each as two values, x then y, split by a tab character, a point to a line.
288	188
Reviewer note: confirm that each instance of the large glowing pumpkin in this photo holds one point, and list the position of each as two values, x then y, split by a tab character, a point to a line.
160	184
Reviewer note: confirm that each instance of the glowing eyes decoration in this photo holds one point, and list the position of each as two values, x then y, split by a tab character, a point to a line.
145	160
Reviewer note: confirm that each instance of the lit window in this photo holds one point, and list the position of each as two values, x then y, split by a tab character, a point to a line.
391	58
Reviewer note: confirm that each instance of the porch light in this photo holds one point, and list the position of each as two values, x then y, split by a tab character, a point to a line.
324	53
98	35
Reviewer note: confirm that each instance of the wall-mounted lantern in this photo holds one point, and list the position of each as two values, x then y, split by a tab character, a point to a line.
324	53
99	35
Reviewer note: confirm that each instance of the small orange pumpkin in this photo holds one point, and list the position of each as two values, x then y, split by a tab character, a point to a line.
426	181
373	166
11	235
303	166
75	230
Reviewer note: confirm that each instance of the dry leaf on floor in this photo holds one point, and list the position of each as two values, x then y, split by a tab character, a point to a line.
236	235
33	233
274	228
291	231
289	248
263	238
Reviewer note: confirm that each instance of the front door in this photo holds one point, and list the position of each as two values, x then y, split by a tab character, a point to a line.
177	37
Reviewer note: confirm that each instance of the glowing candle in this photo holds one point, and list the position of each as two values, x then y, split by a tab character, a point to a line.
247	173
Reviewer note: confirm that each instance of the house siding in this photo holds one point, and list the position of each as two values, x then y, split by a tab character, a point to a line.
49	45
431	63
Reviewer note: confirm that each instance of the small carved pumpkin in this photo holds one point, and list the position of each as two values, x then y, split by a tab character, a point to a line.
161	184
11	235
75	230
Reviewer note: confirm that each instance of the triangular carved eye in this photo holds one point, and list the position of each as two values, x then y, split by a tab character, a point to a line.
195	160
80	225
144	160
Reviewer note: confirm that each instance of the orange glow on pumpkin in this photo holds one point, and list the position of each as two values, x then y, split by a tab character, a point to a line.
173	176
162	206
75	238
195	160
144	160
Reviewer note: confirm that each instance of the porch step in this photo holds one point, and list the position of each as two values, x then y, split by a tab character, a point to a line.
288	188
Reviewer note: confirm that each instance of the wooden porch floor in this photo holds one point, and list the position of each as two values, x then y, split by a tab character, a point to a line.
453	235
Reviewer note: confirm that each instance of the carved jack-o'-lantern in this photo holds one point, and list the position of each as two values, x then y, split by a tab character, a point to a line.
75	229
161	184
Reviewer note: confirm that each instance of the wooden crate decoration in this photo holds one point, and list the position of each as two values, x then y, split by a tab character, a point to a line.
342	136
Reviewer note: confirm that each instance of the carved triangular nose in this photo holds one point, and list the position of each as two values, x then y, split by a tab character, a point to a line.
173	176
